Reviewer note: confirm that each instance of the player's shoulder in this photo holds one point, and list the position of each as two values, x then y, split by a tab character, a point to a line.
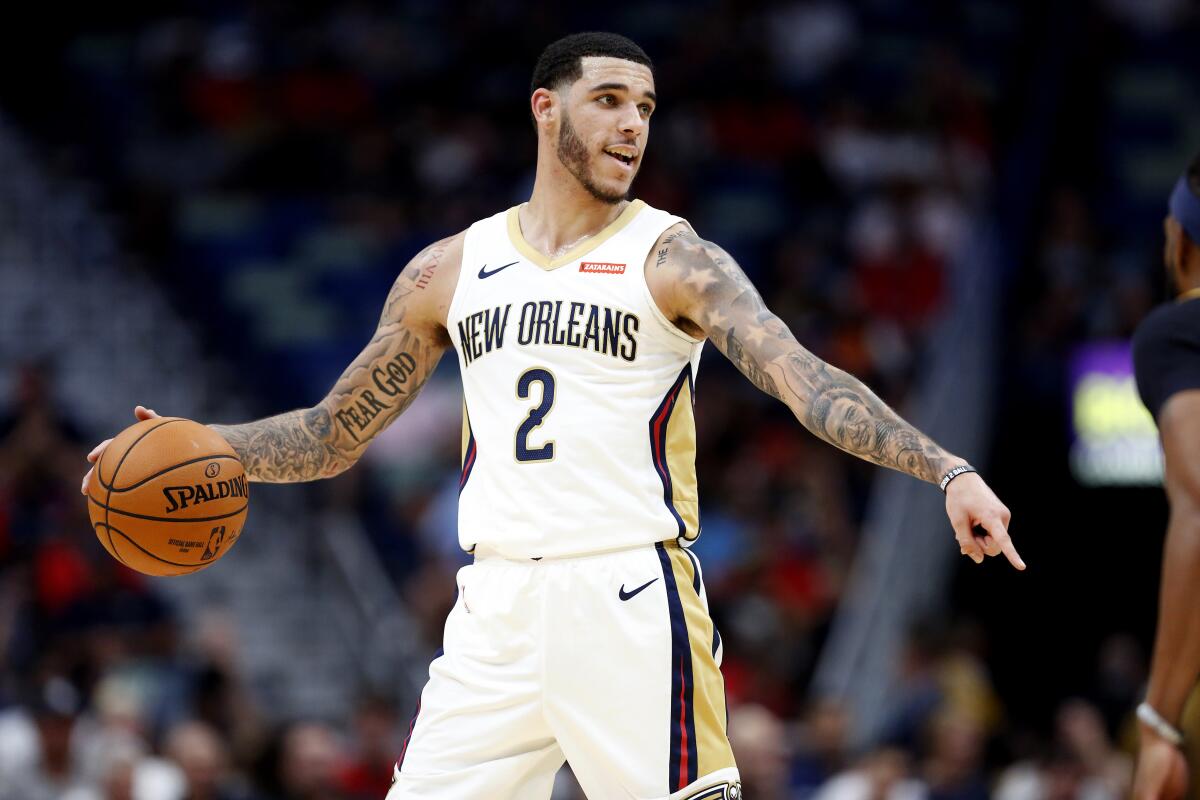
680	234
1173	327
679	251
436	265
1166	353
447	251
425	286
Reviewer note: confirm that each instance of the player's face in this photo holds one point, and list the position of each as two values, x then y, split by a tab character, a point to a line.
605	125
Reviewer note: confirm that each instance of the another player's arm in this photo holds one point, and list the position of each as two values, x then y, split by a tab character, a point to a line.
1176	663
703	290
327	439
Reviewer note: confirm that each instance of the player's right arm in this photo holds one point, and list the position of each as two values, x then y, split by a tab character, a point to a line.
1176	662
384	379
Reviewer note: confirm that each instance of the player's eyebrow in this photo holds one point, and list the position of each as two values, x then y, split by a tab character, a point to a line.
620	87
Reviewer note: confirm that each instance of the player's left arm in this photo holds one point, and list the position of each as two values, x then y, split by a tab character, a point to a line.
1176	662
705	293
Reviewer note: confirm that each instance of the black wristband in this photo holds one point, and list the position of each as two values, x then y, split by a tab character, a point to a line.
961	469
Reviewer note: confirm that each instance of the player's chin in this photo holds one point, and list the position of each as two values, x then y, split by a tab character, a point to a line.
618	181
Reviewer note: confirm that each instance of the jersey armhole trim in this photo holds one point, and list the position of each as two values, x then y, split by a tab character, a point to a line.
669	326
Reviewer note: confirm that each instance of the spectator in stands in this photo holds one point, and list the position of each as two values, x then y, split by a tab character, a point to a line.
204	761
882	774
1081	732
761	743
821	749
367	772
301	763
953	767
50	766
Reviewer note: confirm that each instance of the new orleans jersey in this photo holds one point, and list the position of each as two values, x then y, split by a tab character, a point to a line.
578	434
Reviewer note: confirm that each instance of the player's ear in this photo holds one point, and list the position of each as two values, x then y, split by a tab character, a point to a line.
1188	258
544	105
1175	250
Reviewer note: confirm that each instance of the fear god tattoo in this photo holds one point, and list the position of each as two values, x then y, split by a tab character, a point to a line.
382	382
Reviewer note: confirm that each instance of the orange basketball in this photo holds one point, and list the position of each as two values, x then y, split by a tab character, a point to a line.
168	496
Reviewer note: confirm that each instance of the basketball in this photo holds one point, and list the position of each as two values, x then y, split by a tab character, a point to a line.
168	497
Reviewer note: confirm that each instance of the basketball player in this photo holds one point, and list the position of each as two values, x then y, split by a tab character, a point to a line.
581	629
1166	354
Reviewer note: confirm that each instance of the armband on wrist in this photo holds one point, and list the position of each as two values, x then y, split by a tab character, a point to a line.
961	469
1149	717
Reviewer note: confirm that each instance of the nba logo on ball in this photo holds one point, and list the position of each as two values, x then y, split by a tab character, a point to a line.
212	470
214	543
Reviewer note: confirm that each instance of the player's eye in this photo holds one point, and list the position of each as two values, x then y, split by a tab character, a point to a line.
645	109
607	99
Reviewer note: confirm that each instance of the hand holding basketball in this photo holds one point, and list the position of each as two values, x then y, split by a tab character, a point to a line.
166	496
140	413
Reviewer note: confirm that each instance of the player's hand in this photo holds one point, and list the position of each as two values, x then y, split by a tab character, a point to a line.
1161	770
141	413
970	503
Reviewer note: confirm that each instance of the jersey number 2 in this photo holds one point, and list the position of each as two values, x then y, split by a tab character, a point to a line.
536	415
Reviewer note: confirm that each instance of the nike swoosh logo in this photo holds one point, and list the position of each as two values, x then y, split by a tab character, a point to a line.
483	271
624	595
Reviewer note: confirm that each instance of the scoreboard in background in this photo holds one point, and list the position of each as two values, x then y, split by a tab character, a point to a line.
1114	442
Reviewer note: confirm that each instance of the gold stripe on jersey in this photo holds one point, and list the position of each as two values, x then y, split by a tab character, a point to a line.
466	435
681	462
470	450
578	251
708	687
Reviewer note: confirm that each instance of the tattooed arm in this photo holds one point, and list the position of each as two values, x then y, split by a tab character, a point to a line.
704	292
327	439
383	381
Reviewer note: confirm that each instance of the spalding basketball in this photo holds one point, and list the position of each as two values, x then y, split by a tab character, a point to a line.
168	496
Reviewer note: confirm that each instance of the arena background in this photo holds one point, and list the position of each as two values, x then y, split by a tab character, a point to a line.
202	208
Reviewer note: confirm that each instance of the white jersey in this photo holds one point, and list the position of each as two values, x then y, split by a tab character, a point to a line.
578	433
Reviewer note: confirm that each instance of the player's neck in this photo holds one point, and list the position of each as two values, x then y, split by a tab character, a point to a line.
1188	280
561	213
1188	292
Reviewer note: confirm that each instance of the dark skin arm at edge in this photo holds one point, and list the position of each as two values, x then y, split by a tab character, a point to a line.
1176	662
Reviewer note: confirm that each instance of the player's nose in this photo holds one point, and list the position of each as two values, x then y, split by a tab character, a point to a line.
632	123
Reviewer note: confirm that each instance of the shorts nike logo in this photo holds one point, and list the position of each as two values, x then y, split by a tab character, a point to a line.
624	595
483	271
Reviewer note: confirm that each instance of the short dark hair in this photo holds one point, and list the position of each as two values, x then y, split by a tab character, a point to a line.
561	63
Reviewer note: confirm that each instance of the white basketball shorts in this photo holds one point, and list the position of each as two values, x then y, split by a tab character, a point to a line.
608	661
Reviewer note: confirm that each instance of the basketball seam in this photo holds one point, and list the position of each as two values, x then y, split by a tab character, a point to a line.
108	497
133	542
165	519
148	478
125	455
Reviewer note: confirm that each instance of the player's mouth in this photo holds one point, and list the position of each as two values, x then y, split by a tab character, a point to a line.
624	154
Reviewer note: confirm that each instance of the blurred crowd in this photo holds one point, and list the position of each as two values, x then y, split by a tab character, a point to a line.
103	694
283	161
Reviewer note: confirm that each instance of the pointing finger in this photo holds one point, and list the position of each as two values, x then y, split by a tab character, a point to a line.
998	532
